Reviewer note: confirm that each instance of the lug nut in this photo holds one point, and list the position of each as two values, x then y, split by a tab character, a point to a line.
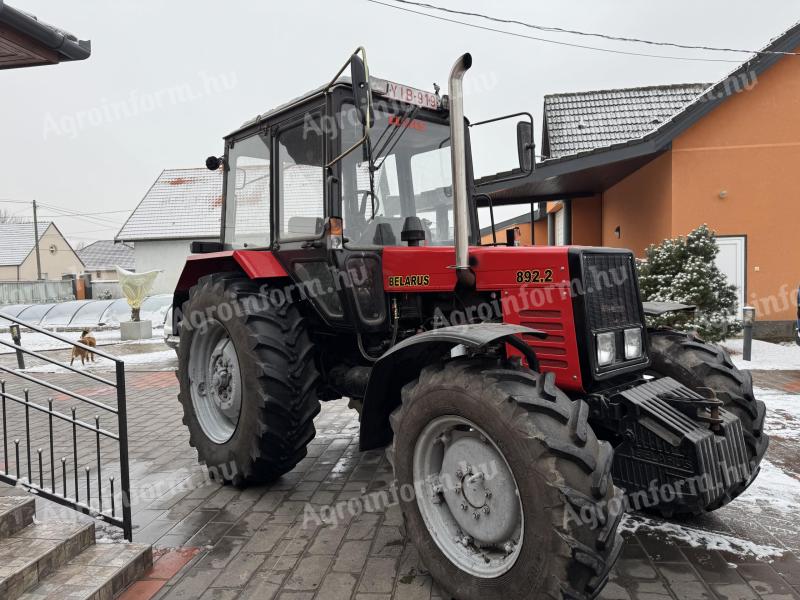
476	515
463	506
488	494
486	510
457	488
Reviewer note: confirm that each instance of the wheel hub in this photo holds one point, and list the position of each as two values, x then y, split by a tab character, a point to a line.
471	503
484	498
216	382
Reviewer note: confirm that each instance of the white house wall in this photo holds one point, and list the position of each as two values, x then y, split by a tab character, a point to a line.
167	256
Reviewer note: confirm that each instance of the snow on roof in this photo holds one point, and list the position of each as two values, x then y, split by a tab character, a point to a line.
187	203
17	241
181	204
586	120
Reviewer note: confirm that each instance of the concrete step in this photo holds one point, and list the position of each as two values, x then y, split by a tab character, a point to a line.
100	572
33	553
16	513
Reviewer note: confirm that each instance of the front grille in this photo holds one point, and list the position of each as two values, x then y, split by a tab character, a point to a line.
610	287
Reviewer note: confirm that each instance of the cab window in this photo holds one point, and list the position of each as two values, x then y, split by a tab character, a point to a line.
300	180
247	206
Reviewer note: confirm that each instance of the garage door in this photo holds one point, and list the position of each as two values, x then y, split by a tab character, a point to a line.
731	261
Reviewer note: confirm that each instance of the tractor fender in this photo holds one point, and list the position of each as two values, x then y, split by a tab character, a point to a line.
403	362
255	264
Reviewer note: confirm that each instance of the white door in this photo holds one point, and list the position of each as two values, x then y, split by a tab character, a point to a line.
560	227
731	261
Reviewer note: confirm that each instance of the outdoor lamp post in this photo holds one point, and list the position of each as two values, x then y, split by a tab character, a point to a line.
748	319
16	335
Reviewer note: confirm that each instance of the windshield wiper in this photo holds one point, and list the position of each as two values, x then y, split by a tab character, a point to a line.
396	135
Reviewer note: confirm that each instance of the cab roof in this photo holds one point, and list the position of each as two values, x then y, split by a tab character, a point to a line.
378	85
318	91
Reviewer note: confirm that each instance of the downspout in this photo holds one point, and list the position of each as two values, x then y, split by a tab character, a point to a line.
465	276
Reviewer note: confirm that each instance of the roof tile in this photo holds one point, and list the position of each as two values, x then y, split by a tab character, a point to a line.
106	254
17	241
582	121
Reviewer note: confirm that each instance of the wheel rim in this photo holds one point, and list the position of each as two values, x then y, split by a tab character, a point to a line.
216	382
468	497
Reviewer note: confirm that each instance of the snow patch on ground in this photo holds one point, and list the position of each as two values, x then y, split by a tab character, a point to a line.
766	356
697	538
38	341
783	413
147	358
773	489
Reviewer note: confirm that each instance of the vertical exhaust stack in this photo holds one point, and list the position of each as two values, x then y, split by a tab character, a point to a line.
466	278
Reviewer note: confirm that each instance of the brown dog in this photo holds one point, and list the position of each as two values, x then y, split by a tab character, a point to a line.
87	339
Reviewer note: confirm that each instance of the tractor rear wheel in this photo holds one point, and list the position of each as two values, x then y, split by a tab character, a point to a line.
696	364
505	490
247	380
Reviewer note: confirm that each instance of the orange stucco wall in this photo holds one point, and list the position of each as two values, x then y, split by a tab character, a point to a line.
587	221
641	206
539	233
749	148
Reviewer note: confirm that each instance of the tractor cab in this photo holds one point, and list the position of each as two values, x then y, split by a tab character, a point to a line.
330	180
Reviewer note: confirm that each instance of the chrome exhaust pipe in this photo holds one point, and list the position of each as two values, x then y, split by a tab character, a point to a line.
458	155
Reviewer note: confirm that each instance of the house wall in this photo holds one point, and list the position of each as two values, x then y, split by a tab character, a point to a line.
8	273
167	256
539	234
748	148
641	206
587	221
103	275
63	262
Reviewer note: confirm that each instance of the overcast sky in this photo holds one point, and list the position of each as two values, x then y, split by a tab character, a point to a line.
166	80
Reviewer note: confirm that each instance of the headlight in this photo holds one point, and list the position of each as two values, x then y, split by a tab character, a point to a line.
606	348
633	343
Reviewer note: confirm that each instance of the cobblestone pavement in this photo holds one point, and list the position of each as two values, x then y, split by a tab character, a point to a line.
253	543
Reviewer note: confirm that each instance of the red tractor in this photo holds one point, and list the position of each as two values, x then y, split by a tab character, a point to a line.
518	389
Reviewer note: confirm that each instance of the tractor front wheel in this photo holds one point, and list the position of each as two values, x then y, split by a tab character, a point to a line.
505	490
699	365
247	380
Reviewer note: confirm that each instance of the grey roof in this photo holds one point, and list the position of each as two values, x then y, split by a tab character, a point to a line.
181	204
17	241
581	121
62	42
105	255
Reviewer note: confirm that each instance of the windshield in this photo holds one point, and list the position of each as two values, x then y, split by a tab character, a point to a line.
411	177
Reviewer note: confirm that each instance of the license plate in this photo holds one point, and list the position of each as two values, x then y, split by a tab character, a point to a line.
404	93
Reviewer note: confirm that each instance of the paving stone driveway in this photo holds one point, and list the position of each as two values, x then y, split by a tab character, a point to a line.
253	543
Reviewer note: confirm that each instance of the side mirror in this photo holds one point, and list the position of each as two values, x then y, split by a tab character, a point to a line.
361	90
525	146
213	163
